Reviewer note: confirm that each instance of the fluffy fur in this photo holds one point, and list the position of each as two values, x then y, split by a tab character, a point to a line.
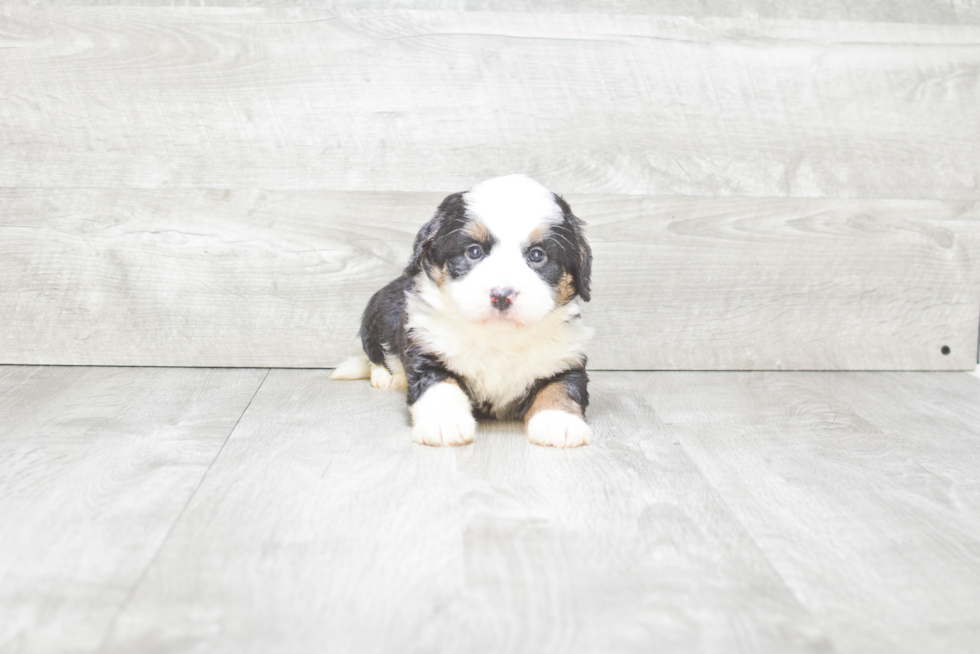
484	319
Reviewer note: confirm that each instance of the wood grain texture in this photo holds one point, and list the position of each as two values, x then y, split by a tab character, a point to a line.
716	512
861	489
783	284
265	278
951	12
321	526
301	514
96	465
428	100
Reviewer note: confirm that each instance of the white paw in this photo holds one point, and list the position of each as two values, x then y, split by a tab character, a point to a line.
445	431
558	429
381	378
443	417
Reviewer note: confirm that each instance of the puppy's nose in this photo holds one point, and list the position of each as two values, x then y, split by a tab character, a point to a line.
502	298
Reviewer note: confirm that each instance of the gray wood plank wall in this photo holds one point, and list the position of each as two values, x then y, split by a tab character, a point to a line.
227	185
273	278
950	12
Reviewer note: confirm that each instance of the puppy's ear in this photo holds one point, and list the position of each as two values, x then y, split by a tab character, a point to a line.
583	276
581	259
449	208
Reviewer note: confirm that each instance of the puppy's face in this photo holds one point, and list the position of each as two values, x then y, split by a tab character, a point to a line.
508	251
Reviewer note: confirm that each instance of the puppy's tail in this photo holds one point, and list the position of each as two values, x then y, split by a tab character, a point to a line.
358	367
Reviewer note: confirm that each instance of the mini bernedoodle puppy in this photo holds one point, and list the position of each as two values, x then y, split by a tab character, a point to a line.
484	318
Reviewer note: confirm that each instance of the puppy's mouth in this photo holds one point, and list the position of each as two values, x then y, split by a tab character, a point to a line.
502	321
507	319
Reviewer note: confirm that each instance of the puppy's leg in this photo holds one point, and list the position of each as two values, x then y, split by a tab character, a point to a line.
442	416
555	417
441	411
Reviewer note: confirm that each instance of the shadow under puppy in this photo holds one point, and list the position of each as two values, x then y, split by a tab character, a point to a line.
484	318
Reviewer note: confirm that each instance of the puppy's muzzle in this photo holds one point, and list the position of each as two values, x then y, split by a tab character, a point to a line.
502	298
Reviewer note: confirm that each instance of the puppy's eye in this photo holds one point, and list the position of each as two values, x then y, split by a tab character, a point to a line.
474	252
536	255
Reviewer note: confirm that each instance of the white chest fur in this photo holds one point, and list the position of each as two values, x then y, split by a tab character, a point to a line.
498	361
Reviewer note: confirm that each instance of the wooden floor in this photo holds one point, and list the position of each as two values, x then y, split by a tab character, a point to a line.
248	510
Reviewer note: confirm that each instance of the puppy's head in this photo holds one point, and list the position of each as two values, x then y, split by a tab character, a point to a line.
506	251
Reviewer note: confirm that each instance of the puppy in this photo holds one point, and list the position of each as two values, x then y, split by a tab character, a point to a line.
484	319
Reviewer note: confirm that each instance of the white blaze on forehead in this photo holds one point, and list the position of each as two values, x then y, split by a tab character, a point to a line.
512	206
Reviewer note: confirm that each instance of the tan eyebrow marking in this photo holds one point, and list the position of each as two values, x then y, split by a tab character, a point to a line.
477	230
538	233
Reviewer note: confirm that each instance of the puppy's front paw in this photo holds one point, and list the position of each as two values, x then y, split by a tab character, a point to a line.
443	417
445	431
558	429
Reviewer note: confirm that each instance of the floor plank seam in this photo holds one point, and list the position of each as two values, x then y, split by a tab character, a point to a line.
762	552
163	541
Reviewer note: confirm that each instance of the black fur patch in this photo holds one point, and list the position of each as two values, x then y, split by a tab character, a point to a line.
451	209
450	247
444	240
383	332
423	370
571	250
383	323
